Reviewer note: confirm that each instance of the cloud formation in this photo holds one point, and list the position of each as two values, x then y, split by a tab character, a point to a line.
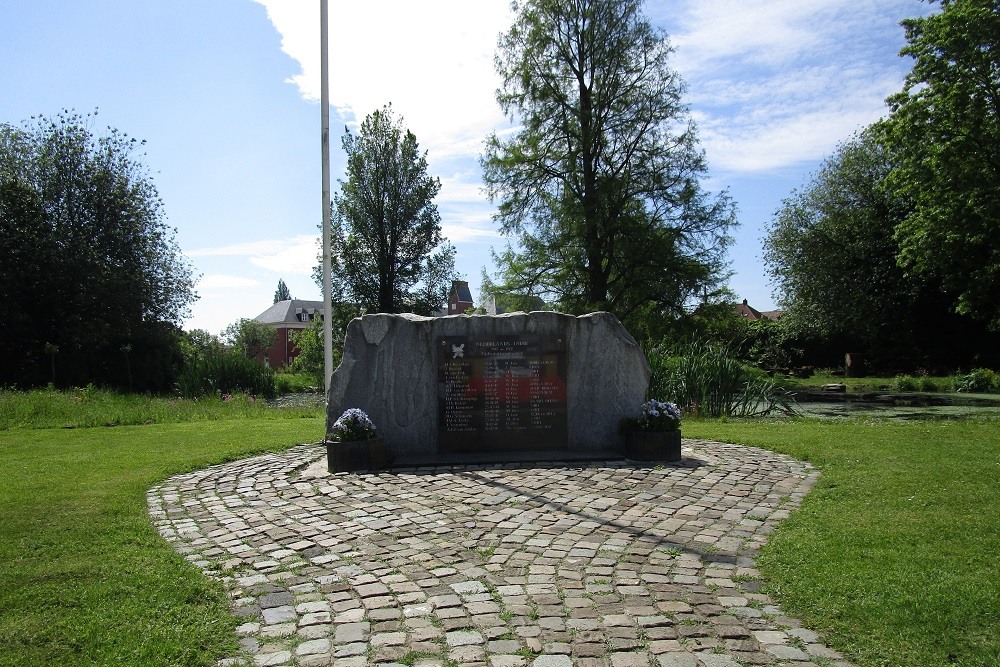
292	256
773	83
778	83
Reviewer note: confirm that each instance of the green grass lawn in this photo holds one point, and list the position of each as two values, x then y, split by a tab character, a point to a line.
84	577
895	555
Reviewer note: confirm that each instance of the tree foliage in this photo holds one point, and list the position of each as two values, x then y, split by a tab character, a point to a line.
249	337
944	135
386	226
600	185
834	260
310	342
282	293
92	282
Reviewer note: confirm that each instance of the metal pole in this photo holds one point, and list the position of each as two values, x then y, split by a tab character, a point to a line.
325	122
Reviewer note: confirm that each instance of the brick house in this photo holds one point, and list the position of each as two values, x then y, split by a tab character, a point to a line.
749	312
460	298
287	317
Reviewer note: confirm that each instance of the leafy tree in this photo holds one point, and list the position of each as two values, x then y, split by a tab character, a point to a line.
833	257
249	337
436	275
944	134
600	187
88	266
310	341
282	293
385	225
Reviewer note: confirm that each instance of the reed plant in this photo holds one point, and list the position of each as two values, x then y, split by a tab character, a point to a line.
217	371
710	380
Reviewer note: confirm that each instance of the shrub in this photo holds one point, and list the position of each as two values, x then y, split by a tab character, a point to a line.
930	384
906	383
218	371
979	380
294	383
710	380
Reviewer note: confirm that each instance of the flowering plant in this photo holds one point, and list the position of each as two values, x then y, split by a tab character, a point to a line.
352	426
658	416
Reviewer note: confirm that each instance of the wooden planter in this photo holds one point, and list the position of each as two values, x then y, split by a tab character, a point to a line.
355	456
653	446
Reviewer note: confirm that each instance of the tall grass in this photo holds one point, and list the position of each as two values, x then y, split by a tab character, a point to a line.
217	371
90	407
710	380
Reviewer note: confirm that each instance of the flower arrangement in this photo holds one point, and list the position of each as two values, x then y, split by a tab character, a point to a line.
658	416
353	425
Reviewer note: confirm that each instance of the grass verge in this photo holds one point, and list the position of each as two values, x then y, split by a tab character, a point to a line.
87	407
893	556
86	580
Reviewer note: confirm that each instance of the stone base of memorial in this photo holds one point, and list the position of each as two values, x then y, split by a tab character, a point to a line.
653	446
539	386
355	456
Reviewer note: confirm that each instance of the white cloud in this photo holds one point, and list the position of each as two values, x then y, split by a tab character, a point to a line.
432	61
774	82
223	282
291	256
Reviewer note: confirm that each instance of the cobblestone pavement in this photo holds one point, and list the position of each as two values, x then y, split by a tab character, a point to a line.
591	564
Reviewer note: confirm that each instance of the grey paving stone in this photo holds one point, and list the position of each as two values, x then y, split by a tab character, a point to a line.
677	660
313	647
279	615
605	564
463	638
552	661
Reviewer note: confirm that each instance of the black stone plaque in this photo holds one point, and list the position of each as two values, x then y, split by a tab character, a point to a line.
503	393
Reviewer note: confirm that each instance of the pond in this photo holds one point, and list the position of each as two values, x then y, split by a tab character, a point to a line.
904	406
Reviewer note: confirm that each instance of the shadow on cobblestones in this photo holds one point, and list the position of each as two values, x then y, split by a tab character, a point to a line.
599	564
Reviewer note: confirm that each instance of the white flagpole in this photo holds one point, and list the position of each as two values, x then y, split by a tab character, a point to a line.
325	122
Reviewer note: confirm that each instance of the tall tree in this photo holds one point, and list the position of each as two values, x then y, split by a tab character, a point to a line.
833	257
88	266
249	337
600	186
386	226
944	132
282	293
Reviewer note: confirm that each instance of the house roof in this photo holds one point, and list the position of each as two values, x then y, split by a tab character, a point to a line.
748	311
461	290
290	312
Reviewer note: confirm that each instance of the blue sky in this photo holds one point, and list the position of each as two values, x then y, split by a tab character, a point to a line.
225	93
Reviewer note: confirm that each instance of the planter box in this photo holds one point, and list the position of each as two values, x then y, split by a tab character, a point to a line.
654	446
355	456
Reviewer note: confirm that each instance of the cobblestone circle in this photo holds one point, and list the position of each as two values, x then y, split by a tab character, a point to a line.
590	564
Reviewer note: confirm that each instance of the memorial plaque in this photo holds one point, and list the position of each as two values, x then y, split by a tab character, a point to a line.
502	393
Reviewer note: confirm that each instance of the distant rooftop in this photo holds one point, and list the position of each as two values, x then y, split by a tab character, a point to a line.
291	312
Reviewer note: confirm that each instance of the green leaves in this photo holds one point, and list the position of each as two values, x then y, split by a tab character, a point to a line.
944	134
600	187
88	262
386	226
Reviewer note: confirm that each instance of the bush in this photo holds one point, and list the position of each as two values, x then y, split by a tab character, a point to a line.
218	371
979	380
931	385
295	383
710	380
906	383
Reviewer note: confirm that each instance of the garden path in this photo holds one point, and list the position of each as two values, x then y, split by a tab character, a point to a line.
594	564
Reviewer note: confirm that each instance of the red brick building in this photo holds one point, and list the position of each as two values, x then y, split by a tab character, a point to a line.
287	317
460	299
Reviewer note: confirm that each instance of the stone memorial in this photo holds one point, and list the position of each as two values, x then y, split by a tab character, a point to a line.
471	387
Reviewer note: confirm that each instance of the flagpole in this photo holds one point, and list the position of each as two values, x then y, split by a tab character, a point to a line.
325	124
